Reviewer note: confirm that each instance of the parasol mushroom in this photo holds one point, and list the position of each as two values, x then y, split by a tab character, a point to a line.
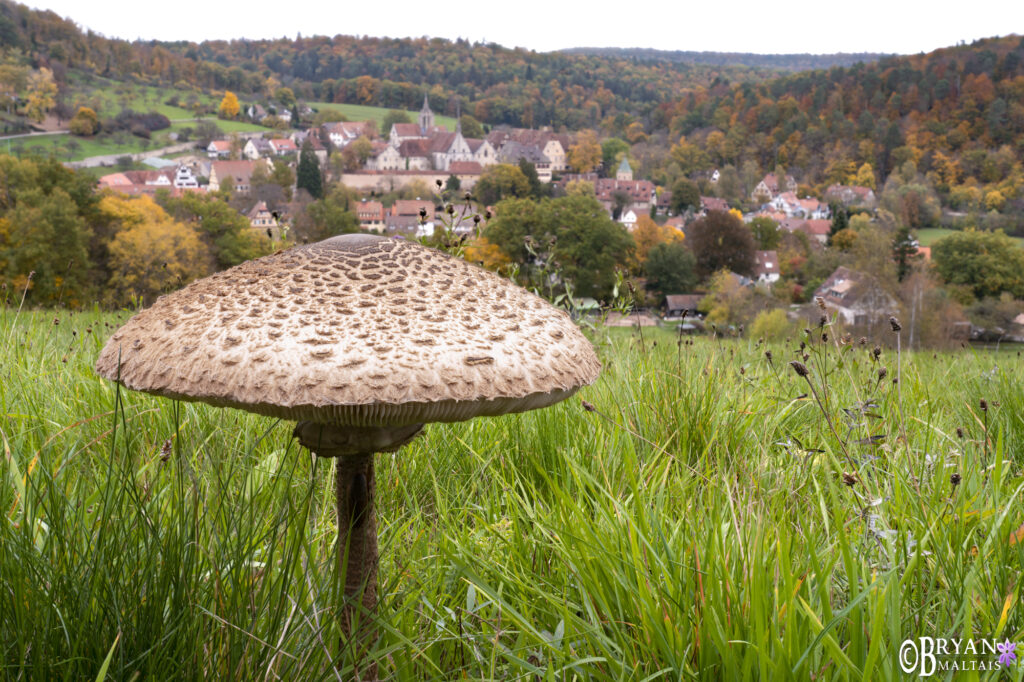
362	340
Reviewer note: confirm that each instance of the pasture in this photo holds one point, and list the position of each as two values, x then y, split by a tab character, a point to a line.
707	514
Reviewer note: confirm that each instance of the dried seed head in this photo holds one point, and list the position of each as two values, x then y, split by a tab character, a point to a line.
983	404
849	479
56	321
805	356
165	451
800	368
468	197
863	341
449	209
743	371
768	355
876	351
895	324
802	345
820	302
882	371
438	182
824	337
423	213
588	407
822	321
959	433
954	480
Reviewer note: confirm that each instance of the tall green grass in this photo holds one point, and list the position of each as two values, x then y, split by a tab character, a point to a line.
696	523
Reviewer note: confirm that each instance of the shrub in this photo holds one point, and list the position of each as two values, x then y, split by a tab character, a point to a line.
772	325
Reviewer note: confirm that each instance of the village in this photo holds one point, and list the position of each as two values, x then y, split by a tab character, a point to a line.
422	157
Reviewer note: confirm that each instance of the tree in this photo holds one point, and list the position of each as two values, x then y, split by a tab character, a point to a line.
327	217
866	176
671	268
501	181
227	234
150	256
647	234
685	195
85	122
392	117
585	155
308	176
229	106
984	263
537	189
471	127
568	241
720	241
285	96
904	252
612	151
840	220
766	233
42	94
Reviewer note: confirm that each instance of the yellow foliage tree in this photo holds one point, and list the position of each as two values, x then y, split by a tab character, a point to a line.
150	252
42	94
586	153
229	106
866	176
647	234
486	254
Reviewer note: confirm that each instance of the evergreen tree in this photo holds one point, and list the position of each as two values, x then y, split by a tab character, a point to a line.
308	173
840	220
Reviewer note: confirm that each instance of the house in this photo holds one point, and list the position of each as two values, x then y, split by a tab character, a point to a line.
256	148
219	149
263	220
676	305
715	176
788	204
184	178
818	230
770	187
513	152
856	297
412	207
713	204
135	183
628	219
401	132
283	146
766	267
386	158
236	175
371	215
256	112
851	195
343	133
415	154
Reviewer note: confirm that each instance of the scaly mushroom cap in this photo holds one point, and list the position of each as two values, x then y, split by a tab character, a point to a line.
356	330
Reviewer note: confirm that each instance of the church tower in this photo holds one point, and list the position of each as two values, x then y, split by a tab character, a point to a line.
426	117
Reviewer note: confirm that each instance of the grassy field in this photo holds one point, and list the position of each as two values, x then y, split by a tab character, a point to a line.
715	517
358	112
73	148
929	235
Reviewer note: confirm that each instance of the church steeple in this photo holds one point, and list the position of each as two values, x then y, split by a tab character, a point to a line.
426	116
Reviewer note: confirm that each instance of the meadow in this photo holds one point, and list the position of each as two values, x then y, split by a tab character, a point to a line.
707	513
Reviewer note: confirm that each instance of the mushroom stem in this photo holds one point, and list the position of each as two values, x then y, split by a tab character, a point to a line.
353	448
355	490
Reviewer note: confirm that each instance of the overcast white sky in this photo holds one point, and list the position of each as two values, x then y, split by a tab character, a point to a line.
898	26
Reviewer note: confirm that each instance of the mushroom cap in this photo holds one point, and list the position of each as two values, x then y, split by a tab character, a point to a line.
356	330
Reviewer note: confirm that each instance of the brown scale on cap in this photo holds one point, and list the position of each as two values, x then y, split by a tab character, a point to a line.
355	330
